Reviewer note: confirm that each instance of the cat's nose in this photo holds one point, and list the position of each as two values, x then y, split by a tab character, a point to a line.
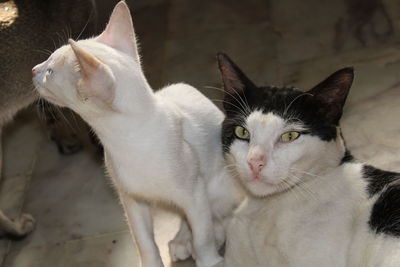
256	164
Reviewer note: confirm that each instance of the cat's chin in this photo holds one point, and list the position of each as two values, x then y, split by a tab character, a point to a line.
52	100
262	188
42	94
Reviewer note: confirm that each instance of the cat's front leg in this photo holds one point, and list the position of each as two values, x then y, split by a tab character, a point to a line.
180	248
141	226
198	213
18	227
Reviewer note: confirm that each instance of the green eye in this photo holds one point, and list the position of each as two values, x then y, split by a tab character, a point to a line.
242	133
289	136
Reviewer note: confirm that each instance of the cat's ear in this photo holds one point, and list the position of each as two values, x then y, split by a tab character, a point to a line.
234	80
119	33
97	81
332	93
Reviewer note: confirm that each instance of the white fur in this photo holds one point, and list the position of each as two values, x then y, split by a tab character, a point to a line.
319	218
283	160
159	147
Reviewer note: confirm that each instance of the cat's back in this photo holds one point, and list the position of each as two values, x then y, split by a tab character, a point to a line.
376	234
383	189
201	122
191	101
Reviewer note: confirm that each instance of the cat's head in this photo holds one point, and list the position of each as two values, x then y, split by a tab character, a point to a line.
96	75
276	138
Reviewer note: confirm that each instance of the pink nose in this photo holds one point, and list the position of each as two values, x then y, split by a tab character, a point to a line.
256	164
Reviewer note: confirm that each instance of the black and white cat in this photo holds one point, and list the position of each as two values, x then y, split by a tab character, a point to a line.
309	203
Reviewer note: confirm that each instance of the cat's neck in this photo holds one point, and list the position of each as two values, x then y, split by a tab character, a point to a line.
136	96
134	105
318	186
129	130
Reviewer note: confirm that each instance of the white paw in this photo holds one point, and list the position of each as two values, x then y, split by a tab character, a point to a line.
24	224
180	249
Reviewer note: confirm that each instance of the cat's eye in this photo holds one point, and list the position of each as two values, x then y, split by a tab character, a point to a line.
242	133
289	136
49	71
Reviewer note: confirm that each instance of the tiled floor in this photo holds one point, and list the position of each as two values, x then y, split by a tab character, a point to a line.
281	42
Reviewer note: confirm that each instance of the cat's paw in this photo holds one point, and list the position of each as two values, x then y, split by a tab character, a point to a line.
180	249
24	225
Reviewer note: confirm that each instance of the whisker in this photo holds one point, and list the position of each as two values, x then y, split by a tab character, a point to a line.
86	24
239	111
241	102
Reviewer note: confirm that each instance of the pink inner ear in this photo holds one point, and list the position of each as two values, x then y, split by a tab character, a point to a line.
119	33
97	78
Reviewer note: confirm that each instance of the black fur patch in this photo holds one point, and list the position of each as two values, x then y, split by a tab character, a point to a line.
385	214
348	157
277	100
378	179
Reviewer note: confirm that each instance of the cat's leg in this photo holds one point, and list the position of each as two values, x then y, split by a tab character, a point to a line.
141	226
219	231
17	227
180	248
198	213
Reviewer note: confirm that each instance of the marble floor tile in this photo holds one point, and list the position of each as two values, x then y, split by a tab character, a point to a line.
108	250
114	249
43	256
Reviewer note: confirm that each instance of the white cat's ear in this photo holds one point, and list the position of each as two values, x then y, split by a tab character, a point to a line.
97	81
332	93
119	33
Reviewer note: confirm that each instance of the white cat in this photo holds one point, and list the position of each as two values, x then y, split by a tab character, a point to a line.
309	203
159	147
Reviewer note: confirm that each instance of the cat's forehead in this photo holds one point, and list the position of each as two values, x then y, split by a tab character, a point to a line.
275	99
60	56
264	125
297	110
258	118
